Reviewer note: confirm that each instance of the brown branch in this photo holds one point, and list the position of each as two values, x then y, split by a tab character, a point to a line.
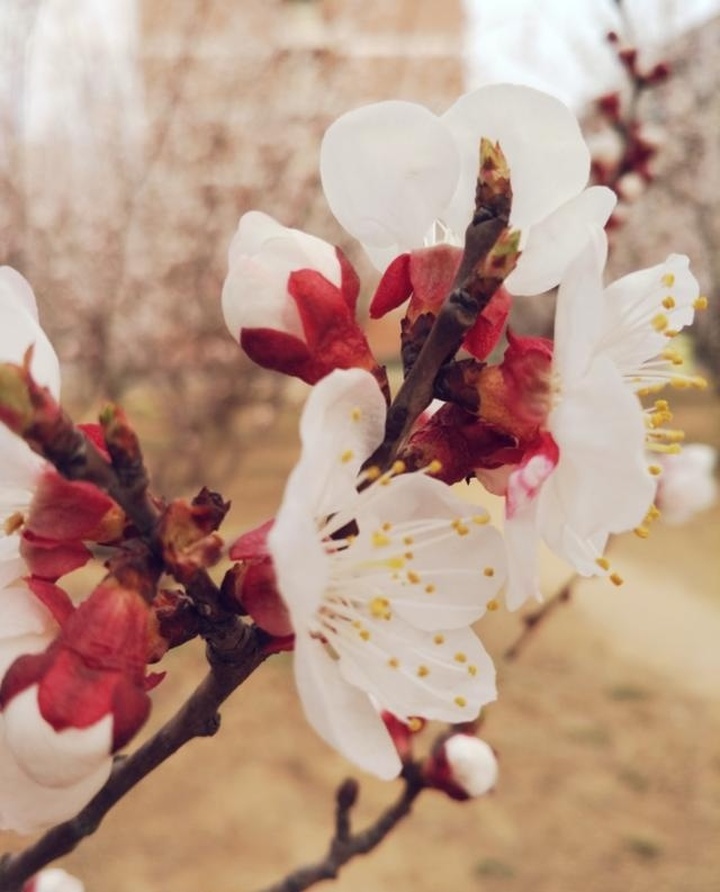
532	621
345	845
198	717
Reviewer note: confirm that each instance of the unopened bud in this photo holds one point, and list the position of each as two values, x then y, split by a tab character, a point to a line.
462	766
54	879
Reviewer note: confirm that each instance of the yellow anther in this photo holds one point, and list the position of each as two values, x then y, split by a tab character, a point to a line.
669	302
364	634
655	470
380	608
422	671
372	473
395	563
434	467
13	523
672	355
356	413
493	604
653	513
380	539
460	701
460	528
386	526
439	639
408	540
347	456
662	405
668	280
460	657
489	571
700	303
616	579
671	332
430	588
481	519
603	563
642	532
415	724
408	555
398	467
413	577
393	662
660	322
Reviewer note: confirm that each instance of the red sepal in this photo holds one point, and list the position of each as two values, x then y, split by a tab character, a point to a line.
65	509
393	289
259	595
252	544
349	281
53	597
50	559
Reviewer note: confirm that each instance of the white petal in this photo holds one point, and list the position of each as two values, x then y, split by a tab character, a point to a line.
579	312
601	484
28	807
453	564
541	138
54	879
12	566
54	758
632	303
340	713
553	243
19	328
19	471
388	171
342	423
21	613
472	762
446	675
261	256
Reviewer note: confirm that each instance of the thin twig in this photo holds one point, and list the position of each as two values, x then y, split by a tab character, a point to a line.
532	621
345	845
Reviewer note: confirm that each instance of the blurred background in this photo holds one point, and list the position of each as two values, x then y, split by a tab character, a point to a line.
133	135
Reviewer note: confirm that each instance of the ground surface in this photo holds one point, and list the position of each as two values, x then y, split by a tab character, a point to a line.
607	729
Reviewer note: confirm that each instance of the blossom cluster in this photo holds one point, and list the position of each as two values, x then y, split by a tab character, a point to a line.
374	569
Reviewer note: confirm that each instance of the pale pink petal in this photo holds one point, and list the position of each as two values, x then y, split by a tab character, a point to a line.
54	758
388	171
541	138
553	243
341	713
19	328
522	534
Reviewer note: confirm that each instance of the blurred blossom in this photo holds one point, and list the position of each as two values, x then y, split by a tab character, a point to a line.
687	484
